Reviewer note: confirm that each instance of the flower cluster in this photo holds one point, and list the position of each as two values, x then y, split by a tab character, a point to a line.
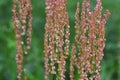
22	19
87	51
56	39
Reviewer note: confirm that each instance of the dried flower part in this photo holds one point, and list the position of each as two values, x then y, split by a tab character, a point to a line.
22	19
89	41
56	39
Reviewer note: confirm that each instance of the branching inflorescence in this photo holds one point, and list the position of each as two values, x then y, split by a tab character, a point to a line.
56	39
87	51
22	19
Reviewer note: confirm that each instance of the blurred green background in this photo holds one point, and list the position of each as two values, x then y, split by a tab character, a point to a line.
34	67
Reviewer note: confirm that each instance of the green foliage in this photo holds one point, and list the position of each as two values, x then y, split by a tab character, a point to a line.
34	67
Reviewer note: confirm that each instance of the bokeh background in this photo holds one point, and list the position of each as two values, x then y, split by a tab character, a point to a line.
34	67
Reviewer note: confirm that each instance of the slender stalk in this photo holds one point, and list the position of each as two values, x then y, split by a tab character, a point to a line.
22	19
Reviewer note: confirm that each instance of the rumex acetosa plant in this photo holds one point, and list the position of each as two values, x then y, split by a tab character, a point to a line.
22	19
56	39
87	51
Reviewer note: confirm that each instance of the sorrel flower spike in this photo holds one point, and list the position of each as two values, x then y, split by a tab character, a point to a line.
22	19
56	41
87	51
